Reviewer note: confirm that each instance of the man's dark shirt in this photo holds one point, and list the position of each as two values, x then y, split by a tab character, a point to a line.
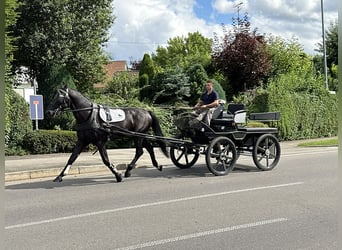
207	99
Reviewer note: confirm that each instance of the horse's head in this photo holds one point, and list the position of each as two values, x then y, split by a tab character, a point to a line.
60	102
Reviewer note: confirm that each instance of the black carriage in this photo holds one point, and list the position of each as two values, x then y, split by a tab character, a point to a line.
226	139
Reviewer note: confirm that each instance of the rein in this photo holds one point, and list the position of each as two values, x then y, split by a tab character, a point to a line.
82	109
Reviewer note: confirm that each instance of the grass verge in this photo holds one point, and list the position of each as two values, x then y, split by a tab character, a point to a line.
333	142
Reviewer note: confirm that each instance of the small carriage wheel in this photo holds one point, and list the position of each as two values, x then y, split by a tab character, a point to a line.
266	152
221	156
183	156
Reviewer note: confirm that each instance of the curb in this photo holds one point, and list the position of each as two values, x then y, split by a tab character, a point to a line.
53	172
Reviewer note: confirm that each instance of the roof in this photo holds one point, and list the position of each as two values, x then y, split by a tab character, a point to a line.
111	68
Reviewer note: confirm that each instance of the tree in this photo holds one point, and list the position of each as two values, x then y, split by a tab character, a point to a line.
197	77
331	42
146	68
242	57
11	18
124	84
183	52
287	57
56	76
64	32
170	87
146	75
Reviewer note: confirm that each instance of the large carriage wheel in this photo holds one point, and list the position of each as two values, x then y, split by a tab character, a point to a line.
221	156
266	152
184	156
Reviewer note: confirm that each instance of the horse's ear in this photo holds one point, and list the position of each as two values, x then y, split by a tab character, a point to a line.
65	86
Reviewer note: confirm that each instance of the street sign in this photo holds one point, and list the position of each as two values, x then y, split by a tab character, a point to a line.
36	107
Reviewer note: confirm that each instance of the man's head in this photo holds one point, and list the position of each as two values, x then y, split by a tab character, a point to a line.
209	85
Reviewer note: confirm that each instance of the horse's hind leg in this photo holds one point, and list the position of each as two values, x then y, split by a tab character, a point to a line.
150	150
105	159
75	153
138	152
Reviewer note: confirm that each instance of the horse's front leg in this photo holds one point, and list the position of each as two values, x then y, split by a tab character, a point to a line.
75	153
105	159
138	152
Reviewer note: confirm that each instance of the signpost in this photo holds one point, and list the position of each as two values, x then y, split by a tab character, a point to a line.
36	108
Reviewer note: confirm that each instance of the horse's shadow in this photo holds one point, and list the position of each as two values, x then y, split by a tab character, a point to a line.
68	181
169	172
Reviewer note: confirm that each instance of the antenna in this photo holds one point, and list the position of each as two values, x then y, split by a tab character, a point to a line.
238	6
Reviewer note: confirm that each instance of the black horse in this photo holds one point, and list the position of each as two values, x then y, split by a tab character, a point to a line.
91	129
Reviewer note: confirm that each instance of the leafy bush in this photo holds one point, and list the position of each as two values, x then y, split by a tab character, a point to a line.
305	112
49	141
306	108
17	118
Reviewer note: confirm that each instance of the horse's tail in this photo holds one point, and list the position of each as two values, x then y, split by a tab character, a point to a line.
158	132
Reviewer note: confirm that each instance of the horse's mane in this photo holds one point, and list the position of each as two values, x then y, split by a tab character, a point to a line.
76	93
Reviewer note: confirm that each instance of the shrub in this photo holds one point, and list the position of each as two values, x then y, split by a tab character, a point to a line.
17	119
305	113
306	109
49	141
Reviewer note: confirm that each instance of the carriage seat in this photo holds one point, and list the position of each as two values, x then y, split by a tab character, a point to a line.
236	114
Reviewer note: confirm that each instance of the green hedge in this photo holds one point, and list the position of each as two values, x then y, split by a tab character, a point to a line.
307	109
49	141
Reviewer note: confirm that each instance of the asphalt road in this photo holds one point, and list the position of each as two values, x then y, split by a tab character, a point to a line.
291	207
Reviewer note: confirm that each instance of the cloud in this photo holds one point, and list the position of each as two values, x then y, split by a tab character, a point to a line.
292	18
141	26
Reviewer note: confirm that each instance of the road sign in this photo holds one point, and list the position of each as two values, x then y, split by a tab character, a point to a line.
36	107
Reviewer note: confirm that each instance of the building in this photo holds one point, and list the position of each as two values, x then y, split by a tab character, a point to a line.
111	68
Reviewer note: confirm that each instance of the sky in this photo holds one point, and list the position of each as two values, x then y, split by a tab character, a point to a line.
142	25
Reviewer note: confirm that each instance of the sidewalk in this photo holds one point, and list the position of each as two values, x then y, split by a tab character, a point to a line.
50	165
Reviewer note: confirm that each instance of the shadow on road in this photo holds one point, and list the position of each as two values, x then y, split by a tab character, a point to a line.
197	171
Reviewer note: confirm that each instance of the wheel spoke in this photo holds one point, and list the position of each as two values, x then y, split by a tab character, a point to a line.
266	142
273	151
186	159
267	163
262	150
181	155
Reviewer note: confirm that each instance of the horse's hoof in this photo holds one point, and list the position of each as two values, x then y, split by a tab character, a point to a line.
58	179
127	174
160	168
119	178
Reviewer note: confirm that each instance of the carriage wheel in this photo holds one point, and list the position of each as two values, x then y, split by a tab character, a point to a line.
221	156
266	152
183	156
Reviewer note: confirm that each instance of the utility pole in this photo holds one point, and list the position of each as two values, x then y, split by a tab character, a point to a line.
324	49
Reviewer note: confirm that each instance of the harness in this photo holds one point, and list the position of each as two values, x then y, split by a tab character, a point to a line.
100	116
91	122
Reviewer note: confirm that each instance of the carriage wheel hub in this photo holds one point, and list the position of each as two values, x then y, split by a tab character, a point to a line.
267	152
223	157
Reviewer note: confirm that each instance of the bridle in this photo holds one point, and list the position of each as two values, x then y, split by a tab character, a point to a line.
63	99
65	102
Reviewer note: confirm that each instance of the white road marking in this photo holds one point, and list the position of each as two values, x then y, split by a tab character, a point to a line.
158	203
202	234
